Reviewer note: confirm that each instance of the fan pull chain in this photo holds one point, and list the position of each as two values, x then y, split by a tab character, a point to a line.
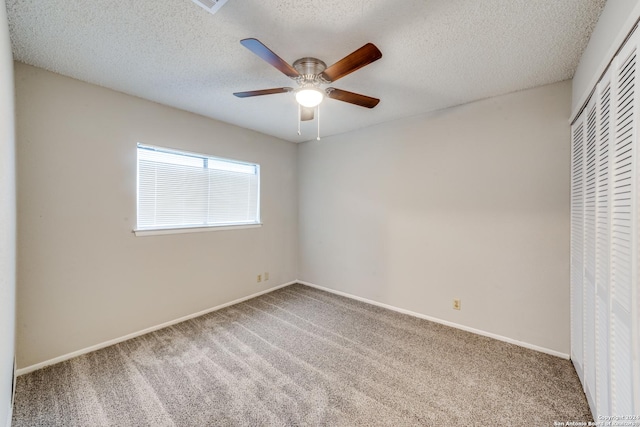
299	114
318	111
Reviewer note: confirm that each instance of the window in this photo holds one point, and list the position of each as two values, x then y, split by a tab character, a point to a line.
179	190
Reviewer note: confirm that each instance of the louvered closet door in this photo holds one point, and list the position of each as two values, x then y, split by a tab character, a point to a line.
589	286
605	300
577	239
624	194
602	324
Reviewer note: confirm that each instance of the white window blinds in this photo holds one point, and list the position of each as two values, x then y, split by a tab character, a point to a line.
186	190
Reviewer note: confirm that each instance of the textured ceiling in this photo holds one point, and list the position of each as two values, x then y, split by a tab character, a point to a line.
436	53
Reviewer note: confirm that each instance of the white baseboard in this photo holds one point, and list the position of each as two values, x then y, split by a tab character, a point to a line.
77	353
443	322
86	350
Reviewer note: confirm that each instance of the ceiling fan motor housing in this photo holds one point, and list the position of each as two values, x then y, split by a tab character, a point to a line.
310	70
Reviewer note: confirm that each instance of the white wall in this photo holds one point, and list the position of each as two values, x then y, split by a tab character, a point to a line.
471	202
83	277
7	219
617	19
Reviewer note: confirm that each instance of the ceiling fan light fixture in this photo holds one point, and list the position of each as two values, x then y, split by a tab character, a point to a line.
309	97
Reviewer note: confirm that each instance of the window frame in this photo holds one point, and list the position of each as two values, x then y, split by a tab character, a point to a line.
180	229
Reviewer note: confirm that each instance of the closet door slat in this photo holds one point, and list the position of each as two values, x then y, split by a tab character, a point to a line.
624	195
602	315
589	286
577	243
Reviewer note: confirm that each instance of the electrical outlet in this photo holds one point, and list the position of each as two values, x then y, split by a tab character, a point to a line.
456	304
266	275
259	278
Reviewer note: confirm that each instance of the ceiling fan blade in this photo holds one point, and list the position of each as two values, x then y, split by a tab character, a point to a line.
256	46
352	62
306	113
352	98
262	92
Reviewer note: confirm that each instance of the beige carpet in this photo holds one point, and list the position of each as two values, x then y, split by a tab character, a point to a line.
302	357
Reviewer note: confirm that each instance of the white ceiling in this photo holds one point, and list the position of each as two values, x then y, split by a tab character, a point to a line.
436	53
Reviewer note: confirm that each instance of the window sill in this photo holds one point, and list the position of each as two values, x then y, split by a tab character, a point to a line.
182	230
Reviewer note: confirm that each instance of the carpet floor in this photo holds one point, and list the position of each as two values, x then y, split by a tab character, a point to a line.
299	356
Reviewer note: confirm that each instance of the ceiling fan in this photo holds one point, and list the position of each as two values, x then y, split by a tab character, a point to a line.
310	73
